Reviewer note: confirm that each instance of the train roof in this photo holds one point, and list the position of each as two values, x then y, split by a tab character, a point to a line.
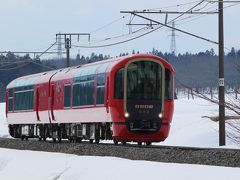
81	70
31	79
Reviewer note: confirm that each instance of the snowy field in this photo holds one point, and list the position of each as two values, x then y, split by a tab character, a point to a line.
188	129
3	123
29	165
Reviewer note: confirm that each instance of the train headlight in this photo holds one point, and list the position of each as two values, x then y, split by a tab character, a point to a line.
126	115
160	115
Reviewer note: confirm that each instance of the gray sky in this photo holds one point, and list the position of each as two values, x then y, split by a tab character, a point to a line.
32	24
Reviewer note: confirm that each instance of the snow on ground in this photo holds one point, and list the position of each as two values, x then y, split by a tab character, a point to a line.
3	123
30	165
188	129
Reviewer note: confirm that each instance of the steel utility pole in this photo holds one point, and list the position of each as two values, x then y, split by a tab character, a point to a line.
221	93
68	45
68	42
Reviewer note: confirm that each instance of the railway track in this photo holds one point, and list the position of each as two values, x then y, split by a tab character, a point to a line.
170	154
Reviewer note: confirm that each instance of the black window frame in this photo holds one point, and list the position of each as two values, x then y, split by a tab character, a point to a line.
67	96
119	84
83	93
87	93
168	85
76	95
10	100
144	80
23	98
100	95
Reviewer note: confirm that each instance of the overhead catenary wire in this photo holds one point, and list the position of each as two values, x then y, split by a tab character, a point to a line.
195	17
146	29
47	49
112	44
108	24
172	6
130	39
183	4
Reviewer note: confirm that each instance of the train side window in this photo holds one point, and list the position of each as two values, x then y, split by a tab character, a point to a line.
90	100
100	88
76	95
168	85
10	100
87	93
118	87
83	94
23	98
67	96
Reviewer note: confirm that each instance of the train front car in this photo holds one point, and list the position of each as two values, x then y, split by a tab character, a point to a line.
142	99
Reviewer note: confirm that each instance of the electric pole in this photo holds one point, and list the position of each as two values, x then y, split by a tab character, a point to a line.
221	93
173	48
68	46
68	42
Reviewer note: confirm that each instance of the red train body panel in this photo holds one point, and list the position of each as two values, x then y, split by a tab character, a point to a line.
132	95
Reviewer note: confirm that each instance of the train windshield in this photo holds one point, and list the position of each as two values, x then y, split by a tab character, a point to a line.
144	81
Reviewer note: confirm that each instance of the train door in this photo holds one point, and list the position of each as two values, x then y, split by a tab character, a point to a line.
37	103
51	103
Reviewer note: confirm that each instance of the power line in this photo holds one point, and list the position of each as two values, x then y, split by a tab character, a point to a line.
167	12
177	5
136	13
44	52
130	39
177	29
187	11
121	42
108	24
195	17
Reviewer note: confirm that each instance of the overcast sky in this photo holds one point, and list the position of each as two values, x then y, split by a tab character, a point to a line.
31	25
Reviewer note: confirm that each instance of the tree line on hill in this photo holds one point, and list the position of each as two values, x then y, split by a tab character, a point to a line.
197	70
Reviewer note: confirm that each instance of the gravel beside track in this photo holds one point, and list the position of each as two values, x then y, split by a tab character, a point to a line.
188	155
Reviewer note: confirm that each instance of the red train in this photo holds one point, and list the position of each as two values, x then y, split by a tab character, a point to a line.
125	99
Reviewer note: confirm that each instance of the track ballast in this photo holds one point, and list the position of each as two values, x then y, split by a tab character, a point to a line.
170	154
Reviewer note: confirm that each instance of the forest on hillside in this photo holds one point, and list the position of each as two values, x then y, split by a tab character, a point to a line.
199	70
